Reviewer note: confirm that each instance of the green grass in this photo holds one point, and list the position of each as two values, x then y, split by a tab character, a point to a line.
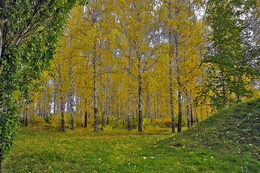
226	142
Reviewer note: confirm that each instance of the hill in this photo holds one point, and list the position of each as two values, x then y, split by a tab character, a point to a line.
231	136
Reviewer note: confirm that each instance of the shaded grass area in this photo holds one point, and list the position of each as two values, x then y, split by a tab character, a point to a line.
226	142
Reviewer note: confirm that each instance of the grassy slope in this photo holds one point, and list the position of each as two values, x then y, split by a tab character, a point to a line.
226	142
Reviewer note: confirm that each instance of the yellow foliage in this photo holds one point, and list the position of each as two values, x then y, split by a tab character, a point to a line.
37	121
55	121
159	122
152	128
167	122
108	128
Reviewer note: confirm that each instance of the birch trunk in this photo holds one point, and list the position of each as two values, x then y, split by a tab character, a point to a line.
187	108
95	90
171	98
140	124
170	73
129	102
158	111
68	102
179	83
154	109
71	99
45	98
171	42
62	109
149	107
39	107
55	96
129	112
101	100
77	109
117	110
122	112
26	110
191	113
86	119
137	110
86	114
108	98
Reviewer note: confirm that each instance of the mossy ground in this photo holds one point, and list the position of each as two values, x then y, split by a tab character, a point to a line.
226	142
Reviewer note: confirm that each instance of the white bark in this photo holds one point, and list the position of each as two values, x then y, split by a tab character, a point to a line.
95	90
122	112
187	108
170	37
39	107
178	82
129	109
62	107
77	105
149	106
101	100
71	99
45	98
117	110
171	98
140	124
55	96
129	113
108	99
191	110
26	111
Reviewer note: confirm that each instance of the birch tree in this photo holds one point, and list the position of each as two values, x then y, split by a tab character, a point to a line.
136	23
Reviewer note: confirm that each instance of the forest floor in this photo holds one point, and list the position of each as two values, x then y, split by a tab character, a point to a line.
226	142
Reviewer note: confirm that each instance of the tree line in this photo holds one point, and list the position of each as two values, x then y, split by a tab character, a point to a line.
129	59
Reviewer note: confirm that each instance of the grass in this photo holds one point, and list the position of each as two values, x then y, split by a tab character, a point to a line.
226	142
